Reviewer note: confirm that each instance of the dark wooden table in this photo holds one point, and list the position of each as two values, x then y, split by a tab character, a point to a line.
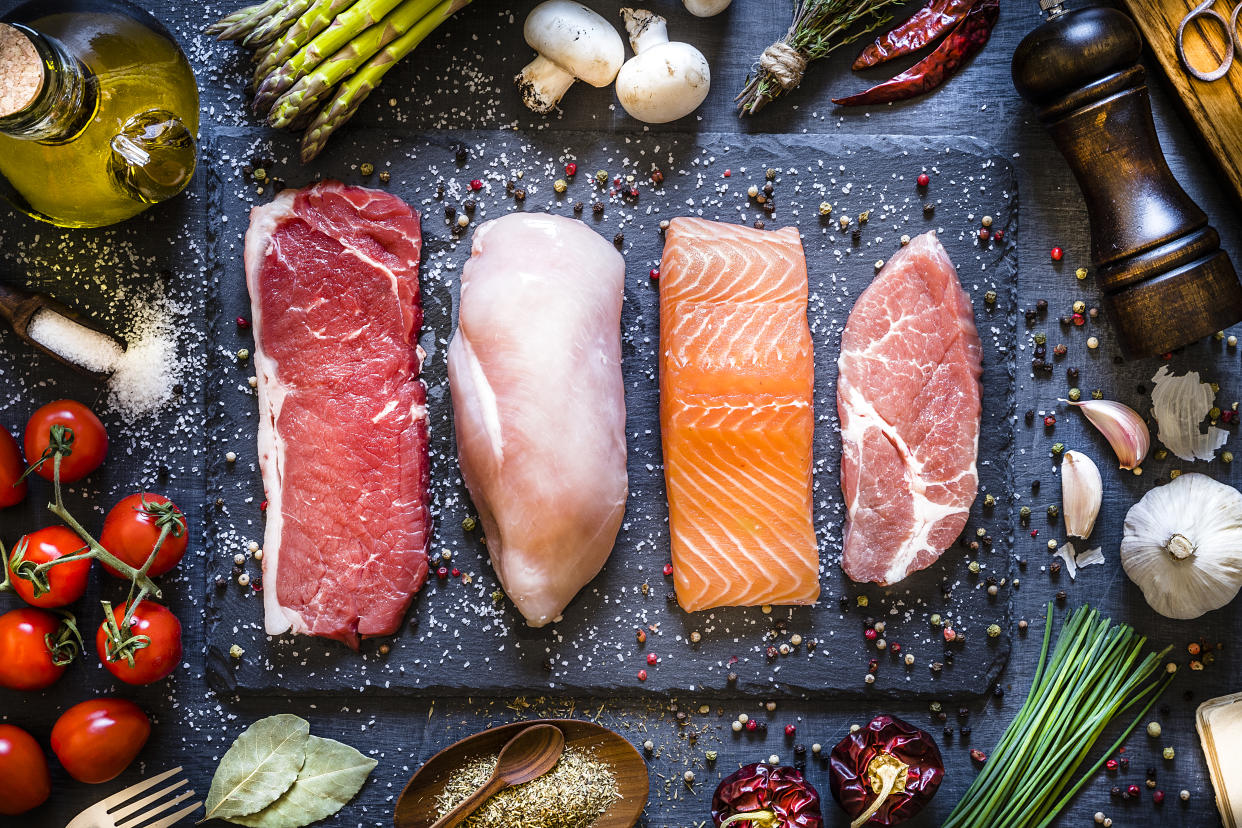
460	80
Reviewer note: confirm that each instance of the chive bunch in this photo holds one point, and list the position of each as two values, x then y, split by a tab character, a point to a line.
1097	673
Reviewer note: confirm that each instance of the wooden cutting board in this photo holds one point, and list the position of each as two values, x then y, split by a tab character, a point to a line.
1216	106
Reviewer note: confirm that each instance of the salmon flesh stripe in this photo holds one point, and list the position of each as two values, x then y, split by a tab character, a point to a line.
737	375
910	399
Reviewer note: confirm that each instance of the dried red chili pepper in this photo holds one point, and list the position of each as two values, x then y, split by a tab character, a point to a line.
886	772
924	27
763	796
970	35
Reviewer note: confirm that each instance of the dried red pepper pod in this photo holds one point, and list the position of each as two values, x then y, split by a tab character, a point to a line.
963	42
925	26
763	796
886	772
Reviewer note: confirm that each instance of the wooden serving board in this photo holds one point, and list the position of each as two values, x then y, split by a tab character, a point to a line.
1215	106
462	635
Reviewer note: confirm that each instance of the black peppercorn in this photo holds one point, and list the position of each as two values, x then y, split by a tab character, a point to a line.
598	208
948	732
965	731
799	750
1041	305
450	212
1034	487
1029	416
469	205
520	194
1115	792
1071	374
1061	596
1031	315
578	206
460	154
998	692
618	239
758	224
731	678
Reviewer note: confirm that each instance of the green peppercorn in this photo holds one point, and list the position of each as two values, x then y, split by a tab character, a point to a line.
469	523
863	600
602	176
1214	413
367	169
1041	339
560	185
974	567
710	756
1024	512
994	630
1074	395
1226	457
936	620
243	354
1161	454
770	175
1057	449
1053	511
1097	394
990	297
988	502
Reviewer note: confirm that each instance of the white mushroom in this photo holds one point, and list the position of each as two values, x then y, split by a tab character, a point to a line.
574	43
663	81
706	8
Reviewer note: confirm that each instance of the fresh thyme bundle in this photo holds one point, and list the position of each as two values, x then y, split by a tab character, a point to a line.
819	28
1097	673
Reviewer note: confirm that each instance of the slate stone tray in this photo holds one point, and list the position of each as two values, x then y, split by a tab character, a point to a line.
462	636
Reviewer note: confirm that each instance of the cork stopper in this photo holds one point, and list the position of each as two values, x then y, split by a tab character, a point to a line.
21	71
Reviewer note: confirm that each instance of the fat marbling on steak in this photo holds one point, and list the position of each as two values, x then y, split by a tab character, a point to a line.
333	278
909	399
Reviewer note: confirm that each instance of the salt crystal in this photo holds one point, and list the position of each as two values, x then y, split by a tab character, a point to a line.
77	343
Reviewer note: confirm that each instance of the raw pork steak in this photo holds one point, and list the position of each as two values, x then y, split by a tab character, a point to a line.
333	278
910	401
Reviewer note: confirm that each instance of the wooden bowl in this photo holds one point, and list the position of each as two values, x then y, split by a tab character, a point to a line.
416	808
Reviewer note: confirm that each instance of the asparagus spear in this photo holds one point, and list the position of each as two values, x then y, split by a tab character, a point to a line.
312	88
276	26
347	26
352	92
242	22
303	31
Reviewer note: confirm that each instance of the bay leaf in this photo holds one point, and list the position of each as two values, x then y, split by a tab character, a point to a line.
330	778
260	766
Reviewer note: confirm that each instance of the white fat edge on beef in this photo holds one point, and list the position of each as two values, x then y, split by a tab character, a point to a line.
263	223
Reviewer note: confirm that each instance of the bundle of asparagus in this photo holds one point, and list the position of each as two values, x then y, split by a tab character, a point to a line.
318	60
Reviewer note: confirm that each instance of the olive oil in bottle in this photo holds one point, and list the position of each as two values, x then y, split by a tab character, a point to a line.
98	111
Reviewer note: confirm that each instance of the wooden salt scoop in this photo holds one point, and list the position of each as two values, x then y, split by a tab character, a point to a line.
19	307
417	805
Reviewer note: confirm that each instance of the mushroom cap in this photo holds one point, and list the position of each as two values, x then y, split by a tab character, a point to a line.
665	82
576	39
706	8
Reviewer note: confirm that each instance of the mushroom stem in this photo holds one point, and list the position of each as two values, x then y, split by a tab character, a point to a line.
645	29
543	84
757	819
888	773
1180	547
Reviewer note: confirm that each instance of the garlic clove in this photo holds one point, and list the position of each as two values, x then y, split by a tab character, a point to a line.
1081	493
1122	426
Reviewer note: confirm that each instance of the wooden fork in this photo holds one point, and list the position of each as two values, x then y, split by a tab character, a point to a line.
118	812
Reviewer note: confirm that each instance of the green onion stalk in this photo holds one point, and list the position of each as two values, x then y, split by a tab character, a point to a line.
318	60
819	28
1097	673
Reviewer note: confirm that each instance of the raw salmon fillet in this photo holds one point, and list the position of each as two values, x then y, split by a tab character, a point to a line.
909	398
736	379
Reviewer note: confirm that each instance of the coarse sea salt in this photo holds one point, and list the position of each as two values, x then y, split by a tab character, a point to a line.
77	343
143	375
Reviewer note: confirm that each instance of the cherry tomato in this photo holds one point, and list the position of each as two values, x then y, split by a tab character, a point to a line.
90	441
11	467
24	779
35	648
133	526
152	662
99	738
67	580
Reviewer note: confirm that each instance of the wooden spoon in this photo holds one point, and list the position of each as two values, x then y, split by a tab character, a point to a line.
19	307
527	756
417	805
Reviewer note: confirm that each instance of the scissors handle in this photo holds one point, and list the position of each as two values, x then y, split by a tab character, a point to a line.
1230	26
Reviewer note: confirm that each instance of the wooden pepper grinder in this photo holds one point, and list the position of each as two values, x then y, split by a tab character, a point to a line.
1165	280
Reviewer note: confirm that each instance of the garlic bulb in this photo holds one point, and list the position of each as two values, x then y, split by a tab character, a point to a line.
1122	426
1180	405
1183	546
1081	493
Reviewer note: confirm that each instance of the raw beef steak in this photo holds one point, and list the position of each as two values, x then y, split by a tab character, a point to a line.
333	279
909	398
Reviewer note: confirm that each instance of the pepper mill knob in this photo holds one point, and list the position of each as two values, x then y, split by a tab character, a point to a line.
1165	280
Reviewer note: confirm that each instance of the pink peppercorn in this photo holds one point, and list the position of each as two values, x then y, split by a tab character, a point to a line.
1158	797
997	235
655	274
1111	764
642	675
752	725
870	634
442	573
1079	319
895	647
873	666
652	658
263	506
571	169
950	634
984	235
243	322
924	179
1133	790
1057	254
728	173
790	730
1050	421
456	572
476	184
668	570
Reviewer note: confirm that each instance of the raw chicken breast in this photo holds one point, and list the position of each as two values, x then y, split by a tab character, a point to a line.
539	405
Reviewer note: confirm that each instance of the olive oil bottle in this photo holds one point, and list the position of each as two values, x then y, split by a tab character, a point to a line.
98	111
